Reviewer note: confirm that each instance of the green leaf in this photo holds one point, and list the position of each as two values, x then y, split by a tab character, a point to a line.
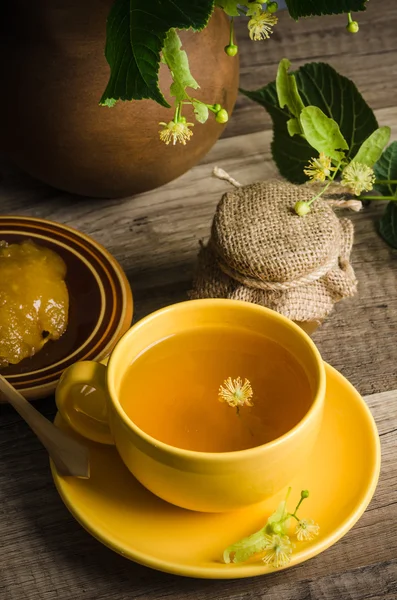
135	35
318	85
247	547
309	8
178	64
323	133
386	169
371	150
201	111
388	224
287	92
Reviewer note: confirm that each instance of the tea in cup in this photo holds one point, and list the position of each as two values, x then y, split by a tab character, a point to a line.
213	405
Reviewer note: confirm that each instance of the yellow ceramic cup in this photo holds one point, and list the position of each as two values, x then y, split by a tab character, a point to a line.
201	481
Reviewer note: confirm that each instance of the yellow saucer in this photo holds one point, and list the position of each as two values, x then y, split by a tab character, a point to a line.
342	476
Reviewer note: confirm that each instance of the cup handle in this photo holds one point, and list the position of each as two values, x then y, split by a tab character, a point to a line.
82	399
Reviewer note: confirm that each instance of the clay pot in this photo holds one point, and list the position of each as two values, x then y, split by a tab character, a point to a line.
53	73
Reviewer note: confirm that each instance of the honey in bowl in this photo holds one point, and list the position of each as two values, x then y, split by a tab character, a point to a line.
34	300
173	390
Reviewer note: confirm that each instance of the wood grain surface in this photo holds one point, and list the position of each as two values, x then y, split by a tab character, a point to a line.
45	554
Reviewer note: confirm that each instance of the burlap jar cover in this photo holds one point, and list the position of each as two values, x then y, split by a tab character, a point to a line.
261	251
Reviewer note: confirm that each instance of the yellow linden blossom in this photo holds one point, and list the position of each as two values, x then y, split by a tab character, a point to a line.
278	552
306	530
260	25
319	169
176	132
235	392
358	178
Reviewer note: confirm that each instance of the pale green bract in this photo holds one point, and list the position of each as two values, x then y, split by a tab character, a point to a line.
323	133
178	64
371	150
231	7
278	517
294	127
259	541
247	547
253	8
200	111
288	96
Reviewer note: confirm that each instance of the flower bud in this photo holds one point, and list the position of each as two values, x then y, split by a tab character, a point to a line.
231	49
277	528
352	27
302	208
217	107
272	7
304	493
222	116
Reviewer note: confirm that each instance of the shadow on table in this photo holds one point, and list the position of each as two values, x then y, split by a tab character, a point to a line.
20	193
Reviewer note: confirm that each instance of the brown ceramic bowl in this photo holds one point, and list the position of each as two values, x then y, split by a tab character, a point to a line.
100	308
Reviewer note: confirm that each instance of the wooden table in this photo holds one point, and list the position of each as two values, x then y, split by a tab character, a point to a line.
45	554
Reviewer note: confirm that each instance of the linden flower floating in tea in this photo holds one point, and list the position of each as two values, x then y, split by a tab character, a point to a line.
273	542
236	393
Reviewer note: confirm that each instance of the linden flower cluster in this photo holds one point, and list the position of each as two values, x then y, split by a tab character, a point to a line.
261	19
319	169
260	27
273	543
176	131
356	177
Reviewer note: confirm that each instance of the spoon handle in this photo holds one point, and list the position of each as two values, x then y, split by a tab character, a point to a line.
69	456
